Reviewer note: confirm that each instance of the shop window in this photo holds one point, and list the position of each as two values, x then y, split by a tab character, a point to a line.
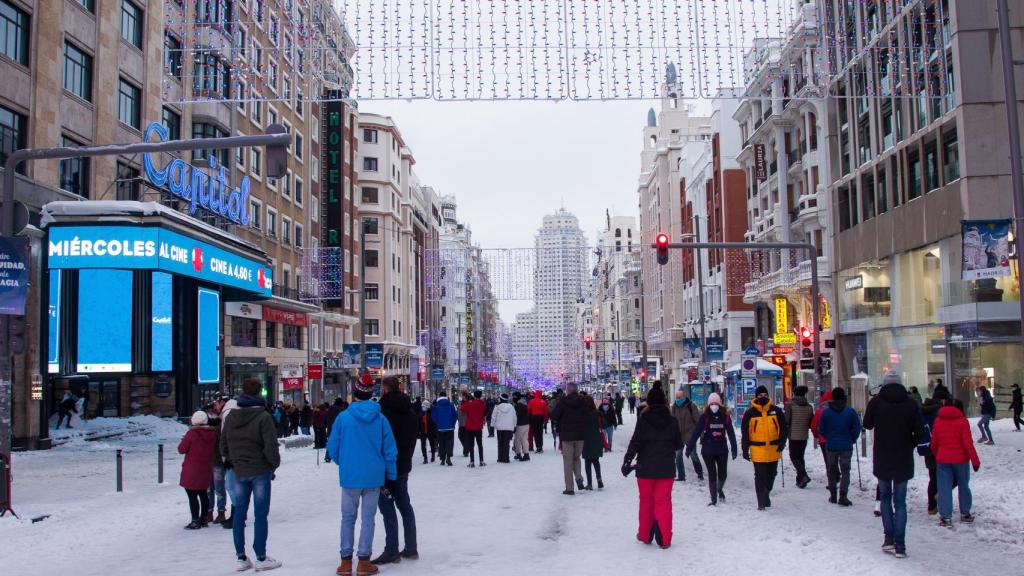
292	337
270	335
244	332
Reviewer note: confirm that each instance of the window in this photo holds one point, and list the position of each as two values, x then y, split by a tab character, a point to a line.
298	236
372	327
172	121
370	164
299	191
211	76
272	75
172	55
328	337
270	335
256	215
74	172
293	337
214	13
951	156
131	23
298	105
244	331
207	130
128	187
913	176
257	111
14	33
372	291
298	146
369	135
129	104
370	257
286	230
89	5
370	195
255	161
371	226
271	223
12	134
286	185
931	166
77	72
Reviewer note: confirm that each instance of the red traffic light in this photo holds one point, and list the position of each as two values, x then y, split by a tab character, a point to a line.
643	374
805	336
586	341
661	243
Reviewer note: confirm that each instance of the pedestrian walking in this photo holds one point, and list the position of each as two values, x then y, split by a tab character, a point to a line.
537	408
294	419
198	446
475	410
363	446
503	417
840	426
305	418
398	409
320	426
522	432
217	493
953	449
467	447
556	397
686	415
929	412
445	417
712	429
1016	405
915	396
632	403
764	439
654	444
896	422
426	431
489	402
988	413
280	419
249	447
65	408
819	441
619	403
799	414
594	444
570	415
609	420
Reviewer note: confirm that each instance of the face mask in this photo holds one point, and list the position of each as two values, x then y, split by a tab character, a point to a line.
714	408
680	401
761	401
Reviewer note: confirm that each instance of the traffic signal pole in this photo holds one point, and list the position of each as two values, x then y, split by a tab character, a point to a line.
815	293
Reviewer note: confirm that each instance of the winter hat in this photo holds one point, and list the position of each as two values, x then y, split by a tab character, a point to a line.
605	401
425	405
362	391
656	397
199	418
839	395
504	397
714	398
800	391
892	377
760	390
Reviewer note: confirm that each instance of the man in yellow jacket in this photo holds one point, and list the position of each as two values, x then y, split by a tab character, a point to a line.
764	438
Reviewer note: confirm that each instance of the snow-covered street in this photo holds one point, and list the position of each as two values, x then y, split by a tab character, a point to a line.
503	519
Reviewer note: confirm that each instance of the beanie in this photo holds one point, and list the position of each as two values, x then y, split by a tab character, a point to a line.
361	390
839	395
892	377
714	398
760	390
199	418
504	397
656	397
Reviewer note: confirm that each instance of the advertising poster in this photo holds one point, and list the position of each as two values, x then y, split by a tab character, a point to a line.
986	249
13	275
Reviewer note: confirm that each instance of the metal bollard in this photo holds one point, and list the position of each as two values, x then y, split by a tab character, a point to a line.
160	465
120	481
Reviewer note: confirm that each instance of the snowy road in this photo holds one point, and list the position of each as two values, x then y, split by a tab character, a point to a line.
503	519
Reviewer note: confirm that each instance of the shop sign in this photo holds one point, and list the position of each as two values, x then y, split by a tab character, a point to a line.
284	316
854	283
13	275
986	248
210	192
291	383
825	315
315	371
716	349
783	350
374	355
243	310
760	163
784	338
781	315
332	162
337	363
154	248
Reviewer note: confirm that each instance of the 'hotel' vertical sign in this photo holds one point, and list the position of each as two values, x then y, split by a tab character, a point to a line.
332	164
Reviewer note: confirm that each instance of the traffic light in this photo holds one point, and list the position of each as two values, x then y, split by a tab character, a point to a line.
643	375
586	341
661	242
805	341
277	156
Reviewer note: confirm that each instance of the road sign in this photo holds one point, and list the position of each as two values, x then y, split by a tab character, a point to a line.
752	351
748	366
807	363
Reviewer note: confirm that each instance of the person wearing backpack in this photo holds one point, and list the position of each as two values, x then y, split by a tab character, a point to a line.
840	426
686	415
764	439
712	429
799	414
929	411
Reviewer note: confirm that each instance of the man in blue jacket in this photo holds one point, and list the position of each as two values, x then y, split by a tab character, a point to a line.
363	446
445	417
839	426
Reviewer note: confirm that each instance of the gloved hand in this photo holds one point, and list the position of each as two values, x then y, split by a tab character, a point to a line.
976	468
746	455
781	448
626	469
733	454
390	485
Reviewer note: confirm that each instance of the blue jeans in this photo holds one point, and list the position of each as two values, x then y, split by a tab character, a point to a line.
681	464
946	474
983	425
216	492
399	499
356	501
894	511
242	488
608	432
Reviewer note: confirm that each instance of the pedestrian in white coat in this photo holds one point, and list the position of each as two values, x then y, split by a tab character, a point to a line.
504	421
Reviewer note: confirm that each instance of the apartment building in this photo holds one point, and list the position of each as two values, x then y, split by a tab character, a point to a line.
616	300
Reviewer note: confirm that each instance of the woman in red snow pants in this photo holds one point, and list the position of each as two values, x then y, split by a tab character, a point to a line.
653	445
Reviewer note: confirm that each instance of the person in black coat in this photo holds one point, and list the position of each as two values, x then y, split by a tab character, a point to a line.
426	431
338	407
713	429
1016	405
398	409
619	402
896	421
520	442
654	444
570	415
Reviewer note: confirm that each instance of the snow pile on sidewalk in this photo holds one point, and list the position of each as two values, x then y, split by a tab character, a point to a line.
99	433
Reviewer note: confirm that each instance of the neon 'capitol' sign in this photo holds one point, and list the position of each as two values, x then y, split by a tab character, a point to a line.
208	191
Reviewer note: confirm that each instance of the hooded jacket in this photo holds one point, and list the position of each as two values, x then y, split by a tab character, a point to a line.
571	416
988	405
593	443
686	417
894	417
1016	400
929	412
198	445
538	406
503	418
522	414
443	414
397	408
654	444
712	429
474	410
839	425
248	439
799	414
363	447
822	404
764	432
951	438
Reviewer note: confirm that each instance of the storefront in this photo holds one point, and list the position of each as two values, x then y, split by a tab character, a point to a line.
915	314
135	294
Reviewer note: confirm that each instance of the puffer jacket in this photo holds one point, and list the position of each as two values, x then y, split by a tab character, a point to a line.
654	444
951	438
840	426
764	432
363	446
248	439
799	414
822	404
503	418
198	446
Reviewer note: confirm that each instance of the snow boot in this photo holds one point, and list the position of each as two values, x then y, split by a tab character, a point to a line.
900	553
386	558
194	525
568	492
208	518
945	523
366	568
220	519
472	465
832	496
967	518
600	483
345	568
482	463
424	459
844	501
579	483
721	496
888	547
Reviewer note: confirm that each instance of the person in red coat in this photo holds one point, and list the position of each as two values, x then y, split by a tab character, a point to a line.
953	448
823	402
475	410
198	446
537	409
